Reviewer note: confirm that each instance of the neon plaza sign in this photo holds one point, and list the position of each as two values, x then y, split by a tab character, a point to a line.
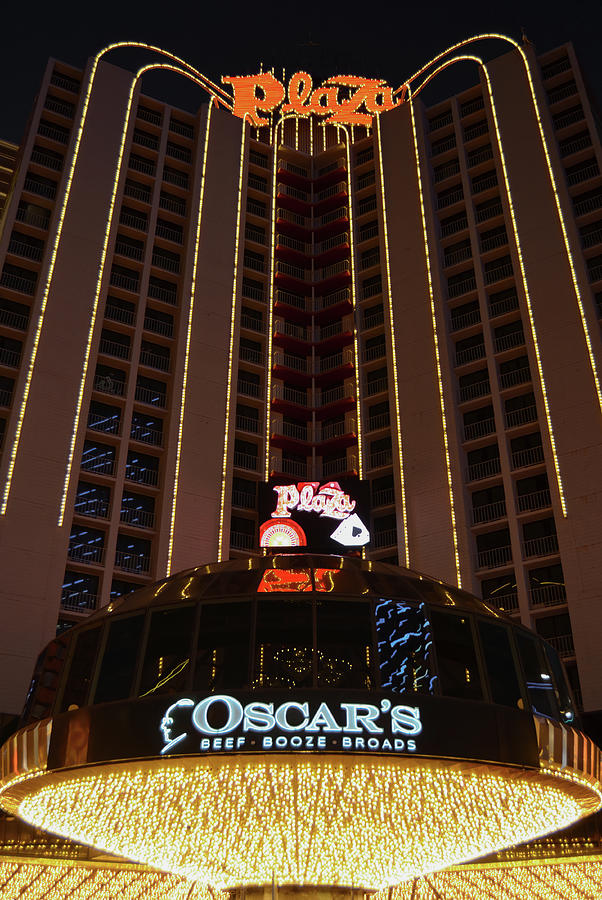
290	725
326	501
340	100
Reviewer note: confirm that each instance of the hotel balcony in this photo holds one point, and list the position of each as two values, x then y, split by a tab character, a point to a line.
547	595
563	644
248	424
509	341
486	469
380	458
338	399
470	354
489	512
239	540
247	461
78	601
285	434
474	391
341	433
534	500
284	396
386	539
291	299
292	336
345	465
522	416
494	558
530	456
464	320
514	377
280	465
541	546
330	305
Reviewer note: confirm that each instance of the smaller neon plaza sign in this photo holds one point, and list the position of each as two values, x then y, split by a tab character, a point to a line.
340	100
221	722
303	514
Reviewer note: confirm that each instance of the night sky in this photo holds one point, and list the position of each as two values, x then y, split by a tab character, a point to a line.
372	38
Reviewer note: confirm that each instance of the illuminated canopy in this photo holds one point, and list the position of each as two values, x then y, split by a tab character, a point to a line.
367	822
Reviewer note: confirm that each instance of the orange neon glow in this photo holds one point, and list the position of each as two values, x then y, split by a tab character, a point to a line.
248	99
326	579
285	580
263	93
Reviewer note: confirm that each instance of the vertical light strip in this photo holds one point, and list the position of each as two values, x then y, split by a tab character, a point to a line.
404	512
526	292
356	355
270	326
222	509
450	485
99	278
172	524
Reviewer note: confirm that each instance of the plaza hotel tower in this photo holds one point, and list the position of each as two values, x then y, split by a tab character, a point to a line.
190	303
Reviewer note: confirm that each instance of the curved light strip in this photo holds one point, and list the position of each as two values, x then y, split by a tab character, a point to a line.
205	83
450	485
101	268
551	177
544	393
172	524
222	507
404	512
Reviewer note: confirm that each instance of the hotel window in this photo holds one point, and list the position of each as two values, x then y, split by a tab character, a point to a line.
456	656
499	662
344	659
147	429
142	468
540	688
133	554
80	591
166	664
137	510
119	659
121	588
98	458
92	500
284	642
79	674
403	635
222	656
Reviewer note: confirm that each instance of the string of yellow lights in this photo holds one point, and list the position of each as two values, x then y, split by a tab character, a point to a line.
450	484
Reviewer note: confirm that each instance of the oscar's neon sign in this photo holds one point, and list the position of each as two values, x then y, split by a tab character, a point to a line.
340	100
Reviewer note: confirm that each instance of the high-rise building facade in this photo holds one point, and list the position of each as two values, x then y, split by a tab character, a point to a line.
190	303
